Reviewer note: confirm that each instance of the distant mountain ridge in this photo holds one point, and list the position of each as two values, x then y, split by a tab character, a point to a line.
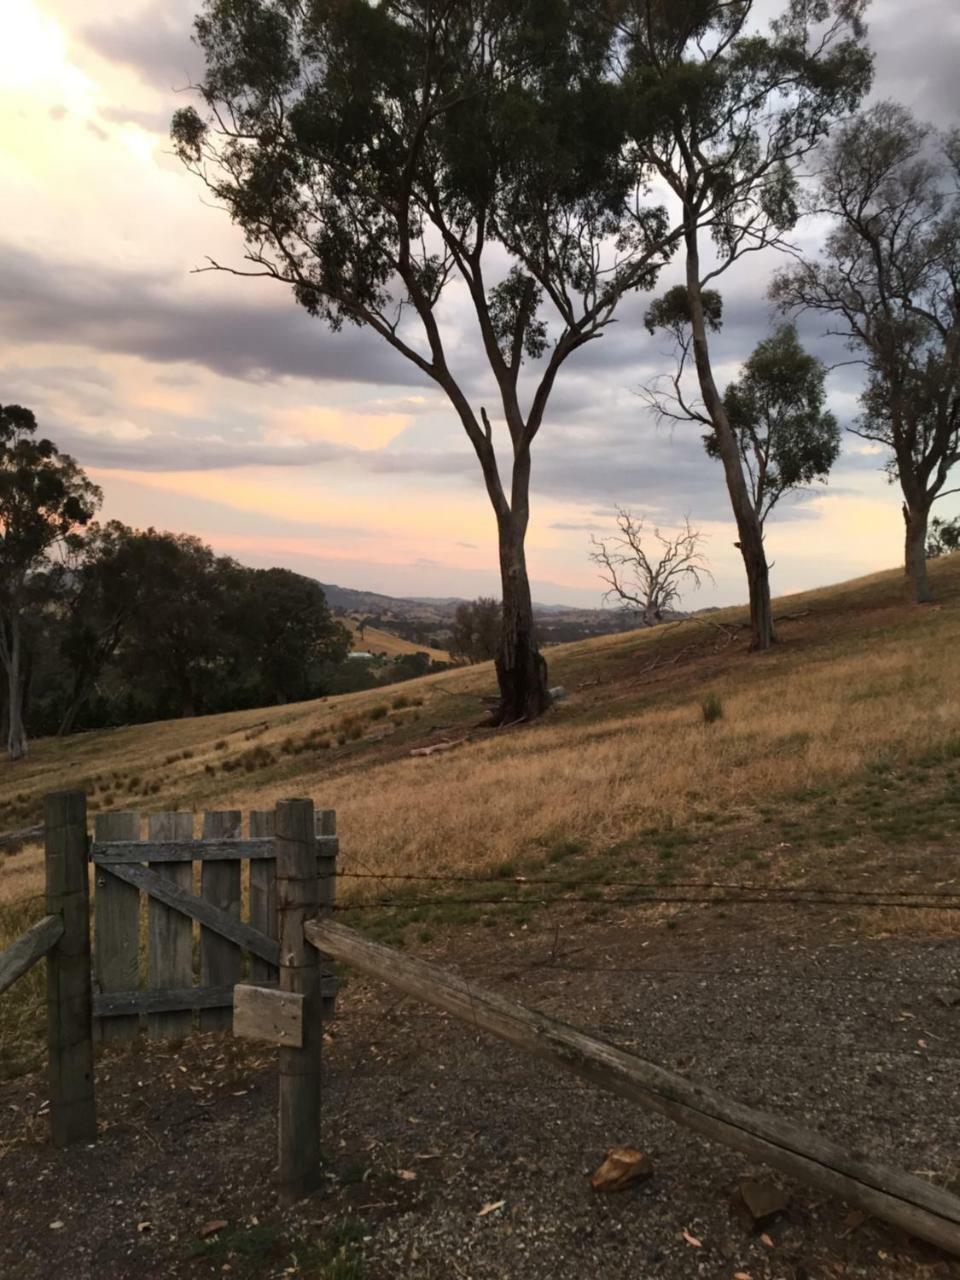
428	620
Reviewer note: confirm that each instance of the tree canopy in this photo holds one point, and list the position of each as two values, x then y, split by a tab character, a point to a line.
377	157
888	282
776	408
44	498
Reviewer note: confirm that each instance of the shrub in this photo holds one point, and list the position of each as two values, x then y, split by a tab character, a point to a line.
400	701
711	708
378	712
256	758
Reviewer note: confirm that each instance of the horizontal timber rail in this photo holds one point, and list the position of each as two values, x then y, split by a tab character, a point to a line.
110	852
21	836
890	1195
28	949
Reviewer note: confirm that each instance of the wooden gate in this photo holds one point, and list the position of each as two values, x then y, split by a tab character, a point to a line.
153	894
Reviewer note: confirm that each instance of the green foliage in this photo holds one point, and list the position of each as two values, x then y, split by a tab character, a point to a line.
476	630
672	311
888	280
776	409
944	537
45	498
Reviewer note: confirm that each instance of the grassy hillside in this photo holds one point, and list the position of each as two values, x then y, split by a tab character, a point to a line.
861	679
836	760
376	641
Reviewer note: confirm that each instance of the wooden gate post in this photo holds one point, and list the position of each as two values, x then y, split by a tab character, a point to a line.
298	899
73	1116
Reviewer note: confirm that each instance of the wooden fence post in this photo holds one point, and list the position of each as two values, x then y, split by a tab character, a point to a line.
73	1116
298	899
327	868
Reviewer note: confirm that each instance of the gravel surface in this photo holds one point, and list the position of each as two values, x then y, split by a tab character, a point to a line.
855	1039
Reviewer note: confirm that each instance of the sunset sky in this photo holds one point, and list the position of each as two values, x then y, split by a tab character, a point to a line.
213	405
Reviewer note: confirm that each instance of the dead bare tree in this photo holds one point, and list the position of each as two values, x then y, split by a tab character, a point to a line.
649	578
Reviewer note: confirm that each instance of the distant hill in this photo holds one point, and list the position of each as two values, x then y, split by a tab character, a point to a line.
425	621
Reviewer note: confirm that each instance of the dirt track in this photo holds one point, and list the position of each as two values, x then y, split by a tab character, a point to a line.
851	1037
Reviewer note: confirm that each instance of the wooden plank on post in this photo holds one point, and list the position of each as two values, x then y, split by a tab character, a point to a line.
221	961
170	953
327	849
116	944
73	1115
299	1082
268	1015
899	1198
30	947
263	893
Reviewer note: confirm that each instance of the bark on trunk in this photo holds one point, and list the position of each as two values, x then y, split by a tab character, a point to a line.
749	527
915	553
16	737
521	670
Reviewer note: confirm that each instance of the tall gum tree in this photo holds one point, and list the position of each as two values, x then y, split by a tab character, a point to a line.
45	498
888	279
379	156
724	113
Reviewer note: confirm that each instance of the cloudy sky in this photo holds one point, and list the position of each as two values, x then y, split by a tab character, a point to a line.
213	405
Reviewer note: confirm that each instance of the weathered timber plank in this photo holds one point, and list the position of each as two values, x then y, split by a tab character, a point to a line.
170	935
10	839
117	917
263	892
221	961
28	949
224	850
298	1093
126	1002
198	909
268	1015
73	1115
899	1198
327	850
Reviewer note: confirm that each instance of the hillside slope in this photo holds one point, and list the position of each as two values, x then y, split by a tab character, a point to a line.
377	641
861	677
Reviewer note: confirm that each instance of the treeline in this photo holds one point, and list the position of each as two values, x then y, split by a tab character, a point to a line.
102	624
140	625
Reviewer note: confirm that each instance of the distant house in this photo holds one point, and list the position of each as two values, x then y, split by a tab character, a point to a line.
361	653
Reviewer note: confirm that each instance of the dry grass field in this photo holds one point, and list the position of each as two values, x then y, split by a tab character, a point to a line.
861	680
820	760
376	641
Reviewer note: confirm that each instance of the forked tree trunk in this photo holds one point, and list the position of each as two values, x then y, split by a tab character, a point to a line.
915	552
521	670
749	527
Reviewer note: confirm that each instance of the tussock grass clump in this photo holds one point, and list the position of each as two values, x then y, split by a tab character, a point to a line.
259	757
711	708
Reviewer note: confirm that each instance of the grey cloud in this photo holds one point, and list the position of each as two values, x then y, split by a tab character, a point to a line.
148	315
155	43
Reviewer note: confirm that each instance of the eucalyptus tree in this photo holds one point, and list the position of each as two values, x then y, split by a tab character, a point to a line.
388	160
788	439
888	279
723	113
45	497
